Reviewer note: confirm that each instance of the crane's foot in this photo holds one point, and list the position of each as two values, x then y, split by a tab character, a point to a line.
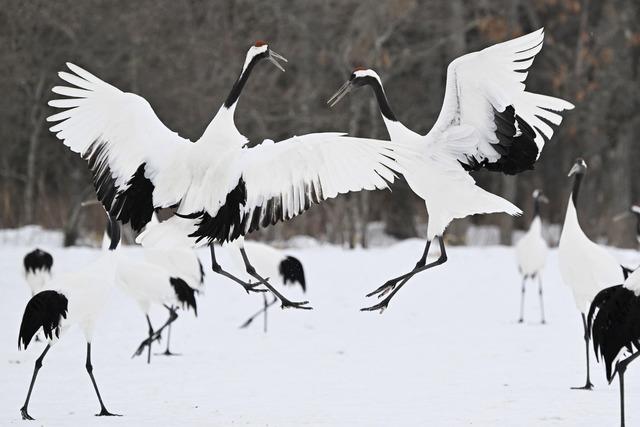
384	289
520	320
25	414
587	386
381	306
105	413
302	305
167	353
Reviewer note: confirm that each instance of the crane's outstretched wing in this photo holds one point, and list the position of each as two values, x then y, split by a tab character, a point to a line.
277	181
137	163
487	118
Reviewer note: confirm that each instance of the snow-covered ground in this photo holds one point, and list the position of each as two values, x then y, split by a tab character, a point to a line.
447	352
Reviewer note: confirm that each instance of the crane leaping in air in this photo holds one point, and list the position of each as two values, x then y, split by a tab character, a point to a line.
487	121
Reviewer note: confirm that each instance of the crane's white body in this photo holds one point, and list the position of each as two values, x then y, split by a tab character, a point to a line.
88	290
147	280
585	266
532	250
478	85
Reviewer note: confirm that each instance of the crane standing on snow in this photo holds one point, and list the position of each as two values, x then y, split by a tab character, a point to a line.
73	298
531	253
585	266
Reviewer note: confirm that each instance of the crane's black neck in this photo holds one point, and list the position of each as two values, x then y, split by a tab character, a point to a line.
536	207
576	188
381	97
637	224
236	90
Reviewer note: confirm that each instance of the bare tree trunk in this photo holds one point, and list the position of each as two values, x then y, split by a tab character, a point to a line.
36	121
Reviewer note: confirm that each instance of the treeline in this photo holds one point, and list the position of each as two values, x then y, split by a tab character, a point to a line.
184	55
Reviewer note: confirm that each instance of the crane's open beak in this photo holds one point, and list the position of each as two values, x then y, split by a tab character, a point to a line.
344	89
543	198
274	58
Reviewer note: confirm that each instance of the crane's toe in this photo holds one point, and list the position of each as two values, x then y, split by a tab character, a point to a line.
381	306
384	289
302	305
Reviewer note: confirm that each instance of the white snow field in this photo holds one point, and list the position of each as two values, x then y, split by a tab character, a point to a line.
447	352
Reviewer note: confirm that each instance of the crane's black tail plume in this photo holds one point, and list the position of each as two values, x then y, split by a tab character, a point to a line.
44	310
292	271
615	326
185	293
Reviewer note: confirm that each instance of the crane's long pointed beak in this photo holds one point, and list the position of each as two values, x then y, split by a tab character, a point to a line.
574	169
274	58
543	199
344	89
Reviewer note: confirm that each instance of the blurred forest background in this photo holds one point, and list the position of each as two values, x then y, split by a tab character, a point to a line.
184	55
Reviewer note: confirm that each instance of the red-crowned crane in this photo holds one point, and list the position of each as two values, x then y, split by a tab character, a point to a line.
616	328
531	254
585	266
222	189
487	121
73	298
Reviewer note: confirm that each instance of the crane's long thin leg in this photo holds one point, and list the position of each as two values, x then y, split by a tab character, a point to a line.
217	268
284	301
621	377
38	365
543	321
264	302
622	367
258	313
168	352
157	334
150	335
524	280
89	366
382	305
588	385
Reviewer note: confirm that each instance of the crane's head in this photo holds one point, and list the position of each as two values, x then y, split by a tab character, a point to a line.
259	51
539	196
636	209
579	167
358	78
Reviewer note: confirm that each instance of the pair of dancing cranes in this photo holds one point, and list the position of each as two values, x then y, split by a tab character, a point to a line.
222	190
